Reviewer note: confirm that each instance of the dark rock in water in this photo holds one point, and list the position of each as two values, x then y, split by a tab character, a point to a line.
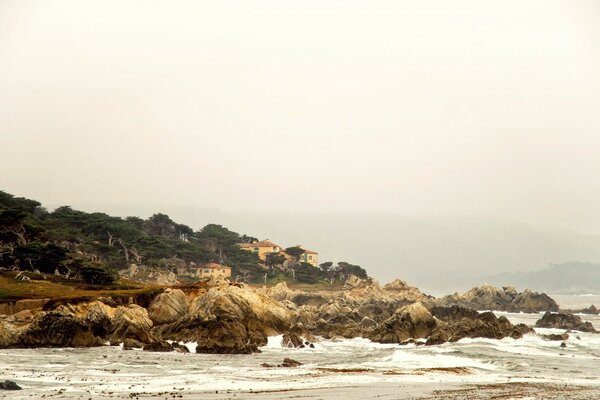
180	348
266	365
487	297
60	328
289	363
485	325
292	340
556	336
411	321
453	313
563	344
161	346
129	344
9	385
564	321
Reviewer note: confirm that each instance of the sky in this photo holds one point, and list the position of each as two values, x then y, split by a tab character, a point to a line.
463	108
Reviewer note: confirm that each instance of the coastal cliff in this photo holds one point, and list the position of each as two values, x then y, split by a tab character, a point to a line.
224	317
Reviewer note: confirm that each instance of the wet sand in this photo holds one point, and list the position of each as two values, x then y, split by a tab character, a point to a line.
384	391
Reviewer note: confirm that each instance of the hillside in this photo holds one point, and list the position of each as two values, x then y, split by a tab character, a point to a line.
94	247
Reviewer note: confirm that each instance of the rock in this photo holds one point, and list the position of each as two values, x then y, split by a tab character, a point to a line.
9	385
291	339
413	321
129	344
132	322
532	302
485	325
168	307
555	336
563	344
399	289
564	321
159	346
229	337
180	348
453	313
487	297
289	363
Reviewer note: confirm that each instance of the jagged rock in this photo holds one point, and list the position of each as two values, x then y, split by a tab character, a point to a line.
158	346
485	325
168	307
453	313
180	348
555	336
132	322
401	290
292	340
564	321
487	297
129	344
9	385
289	363
411	321
229	337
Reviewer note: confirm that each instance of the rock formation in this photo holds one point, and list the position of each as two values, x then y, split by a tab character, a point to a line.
564	321
487	297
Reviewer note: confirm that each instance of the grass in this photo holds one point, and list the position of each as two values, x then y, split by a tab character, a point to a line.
51	287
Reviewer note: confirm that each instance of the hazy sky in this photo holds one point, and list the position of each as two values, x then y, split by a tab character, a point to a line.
413	108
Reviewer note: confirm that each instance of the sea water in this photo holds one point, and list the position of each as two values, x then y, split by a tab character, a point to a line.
104	372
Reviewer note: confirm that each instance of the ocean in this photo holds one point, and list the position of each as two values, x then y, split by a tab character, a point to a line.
109	372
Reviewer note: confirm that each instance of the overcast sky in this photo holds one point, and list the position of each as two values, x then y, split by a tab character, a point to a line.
407	107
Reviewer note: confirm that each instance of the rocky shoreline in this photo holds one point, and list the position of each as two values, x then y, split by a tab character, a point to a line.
227	318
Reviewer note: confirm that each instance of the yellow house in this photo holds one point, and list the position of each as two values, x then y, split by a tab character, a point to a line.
261	248
213	270
311	257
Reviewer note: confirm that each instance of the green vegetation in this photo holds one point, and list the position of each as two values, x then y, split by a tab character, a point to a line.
90	248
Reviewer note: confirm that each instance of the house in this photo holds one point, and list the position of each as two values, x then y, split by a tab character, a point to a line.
310	257
213	270
261	248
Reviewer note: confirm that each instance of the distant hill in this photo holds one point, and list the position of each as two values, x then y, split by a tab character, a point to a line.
437	254
566	278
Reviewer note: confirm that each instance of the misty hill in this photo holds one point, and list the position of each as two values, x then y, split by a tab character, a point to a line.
440	255
566	278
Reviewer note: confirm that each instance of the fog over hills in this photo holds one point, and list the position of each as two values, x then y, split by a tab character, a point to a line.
438	254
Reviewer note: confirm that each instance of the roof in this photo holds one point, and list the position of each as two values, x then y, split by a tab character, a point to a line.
214	266
262	243
310	251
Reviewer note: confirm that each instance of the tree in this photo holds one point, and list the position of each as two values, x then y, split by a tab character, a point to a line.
95	273
326	266
274	259
295	252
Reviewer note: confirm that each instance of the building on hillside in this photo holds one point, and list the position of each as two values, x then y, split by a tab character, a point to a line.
213	270
310	257
261	248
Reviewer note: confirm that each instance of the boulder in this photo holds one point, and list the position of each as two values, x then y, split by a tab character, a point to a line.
487	297
413	321
159	346
292	340
485	325
129	344
290	363
132	322
453	313
564	321
9	385
168	307
556	336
